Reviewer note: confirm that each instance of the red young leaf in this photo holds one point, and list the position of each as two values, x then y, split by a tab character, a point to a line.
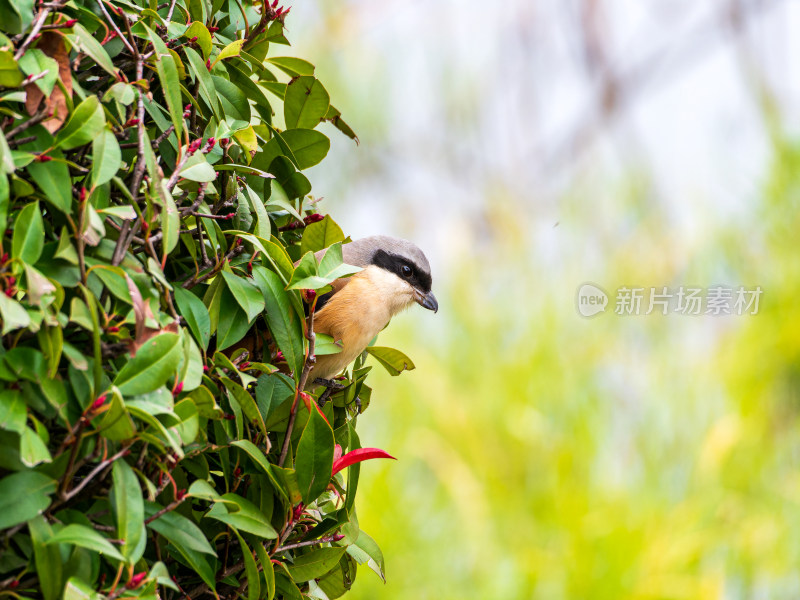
355	456
337	452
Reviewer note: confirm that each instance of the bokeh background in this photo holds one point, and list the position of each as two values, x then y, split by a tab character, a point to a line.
530	146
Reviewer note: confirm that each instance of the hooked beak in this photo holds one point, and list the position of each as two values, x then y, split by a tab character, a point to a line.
426	300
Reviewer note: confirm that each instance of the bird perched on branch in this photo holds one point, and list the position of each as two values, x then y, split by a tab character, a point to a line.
395	275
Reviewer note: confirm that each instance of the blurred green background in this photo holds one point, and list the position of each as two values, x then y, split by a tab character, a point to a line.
529	147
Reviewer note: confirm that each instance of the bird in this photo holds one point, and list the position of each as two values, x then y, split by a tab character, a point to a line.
395	275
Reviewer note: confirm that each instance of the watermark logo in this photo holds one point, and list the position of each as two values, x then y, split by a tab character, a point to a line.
591	300
714	301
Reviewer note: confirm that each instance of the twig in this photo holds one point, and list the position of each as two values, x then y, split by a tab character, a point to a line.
35	120
116	29
36	27
217	217
171	506
304	544
301	384
109	461
193	281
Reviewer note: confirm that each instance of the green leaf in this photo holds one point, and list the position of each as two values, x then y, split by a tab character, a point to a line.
170	219
271	392
200	31
85	123
243	515
34	487
48	558
13	411
10	75
80	535
50	177
232	100
229	51
250	569
195	314
170	82
207	89
294	67
314	460
13	314
198	169
315	564
233	322
179	530
128	509
32	450
35	62
187	538
246	294
325	345
106	158
82	40
261	460
306	103
17	15
153	364
77	589
28	240
320	235
268	570
372	554
248	405
116	423
394	361
308	146
283	322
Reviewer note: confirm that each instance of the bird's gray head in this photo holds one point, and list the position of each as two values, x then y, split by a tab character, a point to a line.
399	257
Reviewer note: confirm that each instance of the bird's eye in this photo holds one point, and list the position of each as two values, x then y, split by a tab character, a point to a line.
405	270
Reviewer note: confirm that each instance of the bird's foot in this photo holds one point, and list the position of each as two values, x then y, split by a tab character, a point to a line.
330	387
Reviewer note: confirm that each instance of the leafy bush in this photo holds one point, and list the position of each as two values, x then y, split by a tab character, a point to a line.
154	208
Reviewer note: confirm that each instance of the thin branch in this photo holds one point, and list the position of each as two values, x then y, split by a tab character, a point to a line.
116	29
325	540
85	481
301	384
169	507
35	120
36	27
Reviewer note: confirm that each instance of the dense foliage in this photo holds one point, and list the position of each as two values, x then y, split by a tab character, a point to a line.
159	285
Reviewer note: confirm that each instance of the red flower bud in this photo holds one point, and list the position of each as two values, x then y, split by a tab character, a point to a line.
132	122
309	295
298	510
313	218
279	357
10	292
177	389
99	402
136	580
112	329
224	142
212	29
229	417
4	257
11	280
43	158
180	495
205	368
338	537
244	366
193	40
82	196
237	472
14	584
70	23
208	64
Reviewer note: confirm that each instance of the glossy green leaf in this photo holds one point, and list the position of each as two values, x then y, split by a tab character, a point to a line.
308	146
13	411
250	569
229	51
292	66
314	458
47	557
28	239
83	40
13	314
50	177
246	402
35	62
106	156
320	235
284	324
200	31
85	123
315	564
10	75
243	515
80	535
34	487
195	313
197	66
305	104
247	295
32	450
394	361
153	364
128	509
170	82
